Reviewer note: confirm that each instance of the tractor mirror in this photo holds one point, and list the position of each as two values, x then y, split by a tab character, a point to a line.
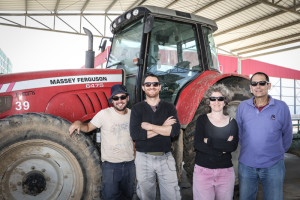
148	24
102	45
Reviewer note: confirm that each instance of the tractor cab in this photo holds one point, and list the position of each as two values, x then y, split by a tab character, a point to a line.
175	46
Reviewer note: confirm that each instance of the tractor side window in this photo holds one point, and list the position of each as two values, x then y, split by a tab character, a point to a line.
125	49
173	55
211	49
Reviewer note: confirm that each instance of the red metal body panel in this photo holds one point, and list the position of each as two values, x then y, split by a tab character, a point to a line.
250	66
228	64
192	95
70	94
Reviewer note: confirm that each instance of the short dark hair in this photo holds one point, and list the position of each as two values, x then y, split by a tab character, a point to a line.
260	73
149	75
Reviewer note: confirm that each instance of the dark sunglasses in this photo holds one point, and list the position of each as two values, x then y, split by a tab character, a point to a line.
216	98
261	83
154	84
115	98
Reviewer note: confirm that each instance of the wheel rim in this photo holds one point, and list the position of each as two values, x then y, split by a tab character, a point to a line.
39	169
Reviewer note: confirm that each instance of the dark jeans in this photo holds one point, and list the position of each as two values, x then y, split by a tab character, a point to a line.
118	180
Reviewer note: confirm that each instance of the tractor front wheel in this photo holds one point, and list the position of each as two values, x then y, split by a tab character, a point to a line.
39	160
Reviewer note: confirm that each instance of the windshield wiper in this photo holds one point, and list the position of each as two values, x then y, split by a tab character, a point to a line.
117	63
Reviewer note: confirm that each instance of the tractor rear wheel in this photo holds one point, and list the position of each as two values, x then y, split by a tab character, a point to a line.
39	160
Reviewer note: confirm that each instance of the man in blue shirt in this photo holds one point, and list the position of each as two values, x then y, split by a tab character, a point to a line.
265	132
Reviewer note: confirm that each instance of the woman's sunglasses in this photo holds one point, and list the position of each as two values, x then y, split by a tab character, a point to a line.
216	98
261	83
154	84
116	98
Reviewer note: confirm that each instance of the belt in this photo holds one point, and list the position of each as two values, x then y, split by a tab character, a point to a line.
156	153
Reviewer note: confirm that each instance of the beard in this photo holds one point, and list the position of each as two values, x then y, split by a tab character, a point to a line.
152	94
121	109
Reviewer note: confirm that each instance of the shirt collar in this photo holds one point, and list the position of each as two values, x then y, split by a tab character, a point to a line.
250	101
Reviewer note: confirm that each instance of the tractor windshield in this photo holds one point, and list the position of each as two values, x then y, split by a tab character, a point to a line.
125	50
173	55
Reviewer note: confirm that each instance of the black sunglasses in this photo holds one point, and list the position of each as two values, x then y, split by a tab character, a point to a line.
216	98
116	98
154	84
261	83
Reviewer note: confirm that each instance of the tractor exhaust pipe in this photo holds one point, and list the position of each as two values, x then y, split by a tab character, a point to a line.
89	54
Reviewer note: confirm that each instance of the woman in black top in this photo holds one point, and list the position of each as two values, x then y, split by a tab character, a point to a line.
216	136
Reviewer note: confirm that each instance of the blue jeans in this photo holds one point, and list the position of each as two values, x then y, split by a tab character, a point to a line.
117	180
271	178
148	167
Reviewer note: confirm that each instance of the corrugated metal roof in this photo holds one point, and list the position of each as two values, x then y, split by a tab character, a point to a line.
246	27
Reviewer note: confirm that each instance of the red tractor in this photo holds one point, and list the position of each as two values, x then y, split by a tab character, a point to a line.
39	160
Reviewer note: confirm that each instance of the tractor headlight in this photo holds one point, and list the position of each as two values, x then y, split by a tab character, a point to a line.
128	15
135	12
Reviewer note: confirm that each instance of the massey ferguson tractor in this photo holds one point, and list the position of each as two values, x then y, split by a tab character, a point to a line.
38	158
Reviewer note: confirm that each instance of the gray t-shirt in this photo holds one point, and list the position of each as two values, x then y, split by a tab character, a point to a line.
116	143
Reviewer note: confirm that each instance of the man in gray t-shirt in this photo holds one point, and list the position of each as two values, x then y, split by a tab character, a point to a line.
117	154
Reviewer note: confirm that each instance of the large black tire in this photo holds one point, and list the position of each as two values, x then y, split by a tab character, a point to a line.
39	160
189	153
188	143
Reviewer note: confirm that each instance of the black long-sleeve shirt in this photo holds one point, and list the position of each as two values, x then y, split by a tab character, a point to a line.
142	112
210	154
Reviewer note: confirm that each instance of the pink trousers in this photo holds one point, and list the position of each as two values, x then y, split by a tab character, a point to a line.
213	184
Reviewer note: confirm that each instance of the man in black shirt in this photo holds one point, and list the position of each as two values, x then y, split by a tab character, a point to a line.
153	123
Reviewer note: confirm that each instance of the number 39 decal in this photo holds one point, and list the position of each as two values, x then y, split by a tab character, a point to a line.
24	106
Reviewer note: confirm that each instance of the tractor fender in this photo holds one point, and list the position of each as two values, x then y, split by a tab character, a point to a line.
191	96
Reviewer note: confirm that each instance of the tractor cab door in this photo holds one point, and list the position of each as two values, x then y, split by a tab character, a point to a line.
173	55
124	54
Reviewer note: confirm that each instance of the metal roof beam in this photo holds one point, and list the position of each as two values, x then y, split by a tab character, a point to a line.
252	22
26	8
84	6
293	9
39	22
56	6
229	52
249	23
51	30
17	24
207	6
260	33
110	6
53	14
272	52
172	3
133	5
270	46
238	11
92	25
267	42
143	1
67	24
